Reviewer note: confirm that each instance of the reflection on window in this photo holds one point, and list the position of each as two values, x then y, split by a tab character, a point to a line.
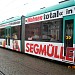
44	31
69	29
45	28
51	30
33	31
2	33
16	31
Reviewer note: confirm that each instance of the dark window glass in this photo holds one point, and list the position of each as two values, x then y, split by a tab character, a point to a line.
51	30
2	34
16	32
33	31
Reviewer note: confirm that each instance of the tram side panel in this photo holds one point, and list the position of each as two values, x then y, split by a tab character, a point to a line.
10	35
45	39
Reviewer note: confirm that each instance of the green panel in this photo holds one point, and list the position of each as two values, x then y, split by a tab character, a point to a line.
69	18
49	9
11	20
8	27
74	30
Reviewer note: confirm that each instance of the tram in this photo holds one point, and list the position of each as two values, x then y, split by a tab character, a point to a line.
47	33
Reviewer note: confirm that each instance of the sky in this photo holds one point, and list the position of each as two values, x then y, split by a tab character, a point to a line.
12	8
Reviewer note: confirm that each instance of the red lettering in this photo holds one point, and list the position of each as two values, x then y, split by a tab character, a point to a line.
69	53
40	18
31	48
36	49
42	50
32	19
27	47
56	51
61	53
29	20
50	52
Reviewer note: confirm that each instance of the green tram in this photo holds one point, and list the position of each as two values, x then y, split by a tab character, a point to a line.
47	33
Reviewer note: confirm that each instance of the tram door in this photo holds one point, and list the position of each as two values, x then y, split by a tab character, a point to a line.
8	36
68	34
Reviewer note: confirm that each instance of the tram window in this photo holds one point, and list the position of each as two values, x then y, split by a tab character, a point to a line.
45	28
33	31
51	30
16	34
45	31
2	33
69	28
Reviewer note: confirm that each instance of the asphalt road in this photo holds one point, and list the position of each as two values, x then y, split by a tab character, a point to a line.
13	63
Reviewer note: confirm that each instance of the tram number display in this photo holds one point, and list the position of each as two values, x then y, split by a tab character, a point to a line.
68	37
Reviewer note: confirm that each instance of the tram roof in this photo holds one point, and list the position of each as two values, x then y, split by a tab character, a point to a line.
11	19
52	8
